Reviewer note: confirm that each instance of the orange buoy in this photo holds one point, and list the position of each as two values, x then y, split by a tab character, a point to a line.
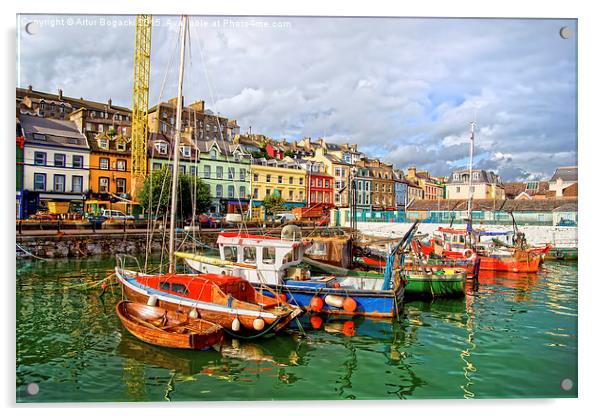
316	304
316	322
349	328
349	304
336	285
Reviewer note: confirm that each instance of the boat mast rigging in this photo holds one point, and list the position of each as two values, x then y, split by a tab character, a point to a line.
176	149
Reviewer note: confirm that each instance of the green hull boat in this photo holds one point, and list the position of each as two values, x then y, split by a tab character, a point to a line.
562	254
423	285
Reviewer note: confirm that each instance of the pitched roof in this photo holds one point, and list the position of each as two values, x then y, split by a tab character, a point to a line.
75	102
93	139
566	173
56	132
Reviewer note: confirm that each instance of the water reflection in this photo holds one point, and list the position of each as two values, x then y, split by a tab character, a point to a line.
69	340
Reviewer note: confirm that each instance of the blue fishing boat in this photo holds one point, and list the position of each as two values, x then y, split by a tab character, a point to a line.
274	265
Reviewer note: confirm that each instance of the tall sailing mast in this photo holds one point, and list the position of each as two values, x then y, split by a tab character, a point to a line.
470	160
176	150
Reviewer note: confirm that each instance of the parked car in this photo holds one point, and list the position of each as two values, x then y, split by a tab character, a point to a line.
284	217
113	214
216	220
566	223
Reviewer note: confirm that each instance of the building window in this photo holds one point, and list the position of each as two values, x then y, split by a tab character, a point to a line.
124	131
104	163
267	191
300	181
103	184
279	179
156	166
255	177
243	174
59	183
290	195
121	165
255	193
231	173
193	170
121	145
230	191
78	161
59	159
185	150
219	172
213	154
161	148
218	191
77	183
39	181
101	127
242	192
182	169
39	158
319	183
207	171
120	185
268	178
457	189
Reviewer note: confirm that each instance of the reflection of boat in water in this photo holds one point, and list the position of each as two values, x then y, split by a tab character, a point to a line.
280	350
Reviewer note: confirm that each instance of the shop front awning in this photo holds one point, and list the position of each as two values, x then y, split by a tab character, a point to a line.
62	197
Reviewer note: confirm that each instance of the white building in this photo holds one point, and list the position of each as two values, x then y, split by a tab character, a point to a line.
563	177
485	184
56	160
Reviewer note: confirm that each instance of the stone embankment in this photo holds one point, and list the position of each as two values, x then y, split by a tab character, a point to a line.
560	237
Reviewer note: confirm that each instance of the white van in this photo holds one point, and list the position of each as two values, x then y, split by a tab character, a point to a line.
284	217
114	214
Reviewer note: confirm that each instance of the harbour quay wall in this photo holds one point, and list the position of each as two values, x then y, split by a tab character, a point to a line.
559	237
84	245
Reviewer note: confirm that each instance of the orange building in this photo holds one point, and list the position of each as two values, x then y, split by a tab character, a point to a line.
110	173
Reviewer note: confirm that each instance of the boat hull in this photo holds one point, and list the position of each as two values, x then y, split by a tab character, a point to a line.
218	314
510	264
208	333
371	303
434	286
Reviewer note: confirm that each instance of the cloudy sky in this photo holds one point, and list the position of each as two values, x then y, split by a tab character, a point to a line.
405	90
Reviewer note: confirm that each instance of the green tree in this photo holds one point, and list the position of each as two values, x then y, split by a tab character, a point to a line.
158	184
273	203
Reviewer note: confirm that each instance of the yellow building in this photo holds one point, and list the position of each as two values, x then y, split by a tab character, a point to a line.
281	177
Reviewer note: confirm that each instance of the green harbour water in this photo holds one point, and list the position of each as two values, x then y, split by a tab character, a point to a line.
512	336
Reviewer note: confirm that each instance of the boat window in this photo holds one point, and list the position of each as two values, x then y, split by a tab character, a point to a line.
318	248
230	253
164	286
249	254
179	288
269	255
288	258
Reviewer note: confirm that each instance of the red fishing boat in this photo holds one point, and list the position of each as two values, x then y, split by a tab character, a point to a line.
228	301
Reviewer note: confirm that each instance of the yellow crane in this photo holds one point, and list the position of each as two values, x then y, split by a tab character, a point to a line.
142	51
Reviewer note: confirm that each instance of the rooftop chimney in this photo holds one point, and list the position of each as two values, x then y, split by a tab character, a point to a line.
60	94
109	102
29	88
412	172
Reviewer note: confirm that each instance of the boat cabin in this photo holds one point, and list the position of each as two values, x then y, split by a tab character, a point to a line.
267	258
204	288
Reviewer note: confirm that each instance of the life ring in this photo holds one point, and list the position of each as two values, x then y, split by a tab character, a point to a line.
468	253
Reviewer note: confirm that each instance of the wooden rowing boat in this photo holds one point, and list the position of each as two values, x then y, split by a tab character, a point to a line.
159	326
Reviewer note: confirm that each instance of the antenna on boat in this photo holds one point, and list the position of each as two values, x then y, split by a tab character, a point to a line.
176	149
470	166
